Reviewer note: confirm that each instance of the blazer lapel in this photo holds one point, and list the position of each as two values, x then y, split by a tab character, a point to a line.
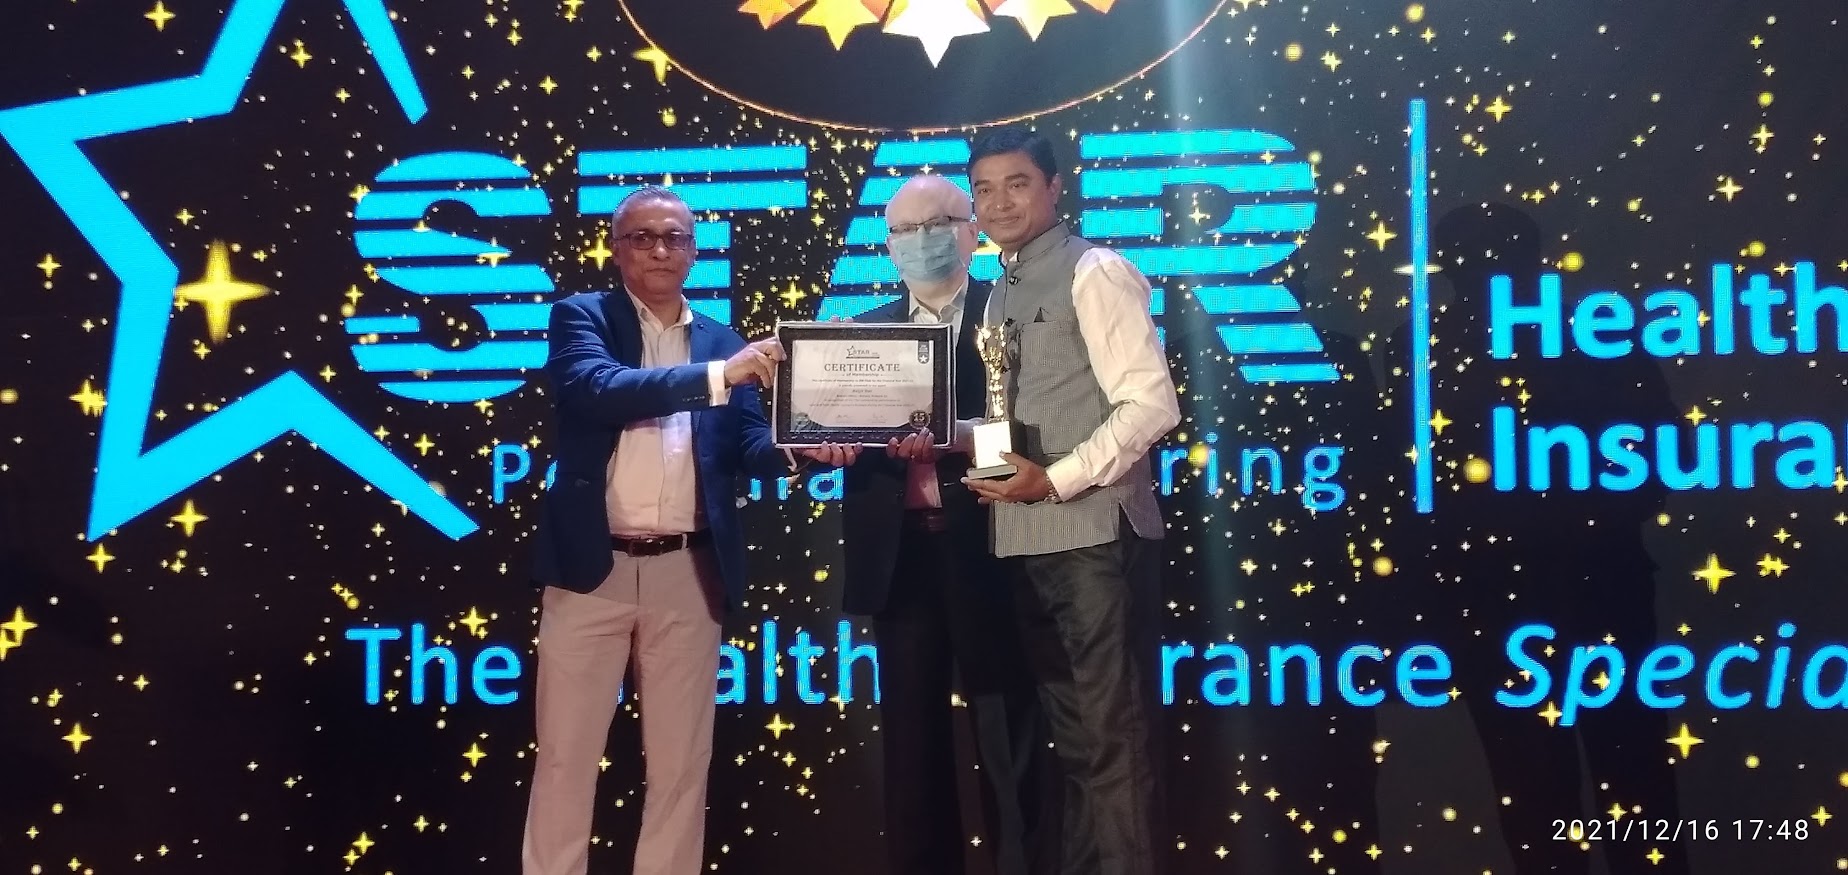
970	380
624	327
701	341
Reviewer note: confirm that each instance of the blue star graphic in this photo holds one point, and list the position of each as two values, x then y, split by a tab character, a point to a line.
131	478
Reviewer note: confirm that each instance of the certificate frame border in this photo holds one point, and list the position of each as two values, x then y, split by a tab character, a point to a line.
943	377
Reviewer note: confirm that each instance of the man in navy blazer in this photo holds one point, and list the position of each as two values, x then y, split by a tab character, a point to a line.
915	553
639	548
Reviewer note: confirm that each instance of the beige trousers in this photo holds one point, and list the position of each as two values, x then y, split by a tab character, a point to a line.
666	610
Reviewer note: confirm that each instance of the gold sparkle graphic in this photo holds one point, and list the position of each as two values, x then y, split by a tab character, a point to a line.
218	291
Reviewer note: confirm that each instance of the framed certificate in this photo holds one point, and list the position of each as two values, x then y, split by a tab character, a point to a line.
843	382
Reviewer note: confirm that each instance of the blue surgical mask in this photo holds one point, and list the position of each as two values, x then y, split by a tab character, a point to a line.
927	255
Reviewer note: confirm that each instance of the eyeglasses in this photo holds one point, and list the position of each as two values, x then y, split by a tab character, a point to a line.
646	241
931	225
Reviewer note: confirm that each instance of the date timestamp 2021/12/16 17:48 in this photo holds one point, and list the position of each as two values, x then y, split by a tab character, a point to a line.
1642	829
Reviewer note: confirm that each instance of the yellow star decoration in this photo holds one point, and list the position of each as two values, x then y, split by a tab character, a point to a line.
768	12
600	252
1685	740
1712	573
934	23
90	401
777	727
1033	14
1380	235
218	291
101	557
658	58
189	518
160	16
13	632
838	18
475	621
474	755
77	737
49	265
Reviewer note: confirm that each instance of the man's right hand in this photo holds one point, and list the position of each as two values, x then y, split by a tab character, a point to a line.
914	447
755	363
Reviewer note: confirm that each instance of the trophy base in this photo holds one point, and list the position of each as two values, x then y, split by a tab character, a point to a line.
990	440
992	472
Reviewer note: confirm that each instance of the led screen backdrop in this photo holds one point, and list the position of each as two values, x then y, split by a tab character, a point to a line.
1505	522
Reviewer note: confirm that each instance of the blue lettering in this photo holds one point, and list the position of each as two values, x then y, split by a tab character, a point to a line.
1812	679
1717	669
1617	444
1542	681
374	639
1578	674
496	664
1603	311
1171	655
1344	676
1652	672
1810	467
1745	437
732	681
1809	304
805	652
1780	667
846	653
1410	672
1320	465
1505	315
1280	657
420	662
1759	297
1706	472
1677	331
503	475
1238	676
1541	440
1501	424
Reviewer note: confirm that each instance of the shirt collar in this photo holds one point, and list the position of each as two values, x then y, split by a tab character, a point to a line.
955	304
648	316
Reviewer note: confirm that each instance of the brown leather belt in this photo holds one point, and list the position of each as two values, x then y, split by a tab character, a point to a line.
660	544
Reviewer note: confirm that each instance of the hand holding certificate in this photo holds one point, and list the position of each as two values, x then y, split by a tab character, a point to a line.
843	383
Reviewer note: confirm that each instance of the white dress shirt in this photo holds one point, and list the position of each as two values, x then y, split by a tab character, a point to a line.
921	489
1112	300
649	486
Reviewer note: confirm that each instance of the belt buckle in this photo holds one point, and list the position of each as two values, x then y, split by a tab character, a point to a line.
932	520
655	546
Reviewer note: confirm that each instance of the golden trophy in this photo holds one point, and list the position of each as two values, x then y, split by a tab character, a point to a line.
997	434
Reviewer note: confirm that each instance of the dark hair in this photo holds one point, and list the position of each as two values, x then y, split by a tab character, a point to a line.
647	193
1004	140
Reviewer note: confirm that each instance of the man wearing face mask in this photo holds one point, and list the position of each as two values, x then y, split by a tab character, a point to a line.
916	561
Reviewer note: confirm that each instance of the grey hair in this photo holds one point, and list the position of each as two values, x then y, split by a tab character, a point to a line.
644	194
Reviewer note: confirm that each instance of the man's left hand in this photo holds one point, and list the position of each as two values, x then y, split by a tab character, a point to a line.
832	454
1028	484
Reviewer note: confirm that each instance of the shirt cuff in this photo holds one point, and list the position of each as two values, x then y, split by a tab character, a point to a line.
715	381
1067	478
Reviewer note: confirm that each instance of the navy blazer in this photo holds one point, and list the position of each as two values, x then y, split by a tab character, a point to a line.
873	503
599	387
